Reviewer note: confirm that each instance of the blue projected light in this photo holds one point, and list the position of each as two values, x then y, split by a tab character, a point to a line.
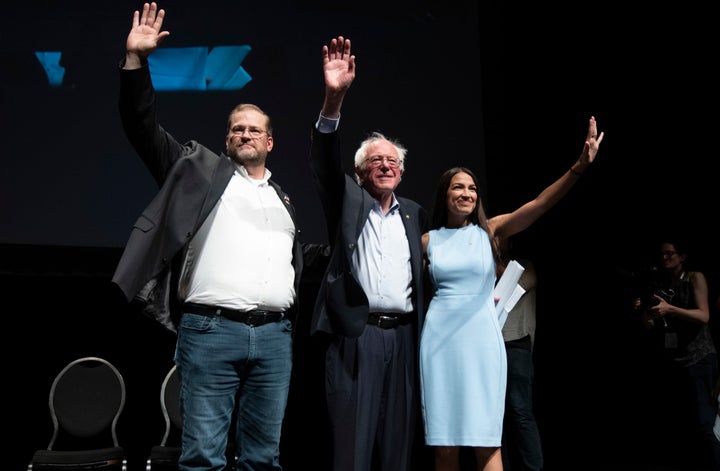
196	68
50	62
223	68
178	69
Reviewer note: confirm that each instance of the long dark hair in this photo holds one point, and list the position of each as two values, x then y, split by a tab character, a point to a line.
439	211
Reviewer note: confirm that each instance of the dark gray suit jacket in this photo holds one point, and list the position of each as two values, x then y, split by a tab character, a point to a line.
341	306
191	178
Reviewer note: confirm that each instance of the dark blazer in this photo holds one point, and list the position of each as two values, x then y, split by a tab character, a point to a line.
191	178
341	306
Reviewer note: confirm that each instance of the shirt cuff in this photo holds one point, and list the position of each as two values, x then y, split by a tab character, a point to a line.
327	125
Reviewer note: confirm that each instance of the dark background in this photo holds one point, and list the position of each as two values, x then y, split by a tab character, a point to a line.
505	89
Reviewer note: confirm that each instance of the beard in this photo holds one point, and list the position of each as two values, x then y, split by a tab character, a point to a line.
246	156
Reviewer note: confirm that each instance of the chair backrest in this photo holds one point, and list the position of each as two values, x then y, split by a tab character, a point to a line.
86	399
170	403
165	456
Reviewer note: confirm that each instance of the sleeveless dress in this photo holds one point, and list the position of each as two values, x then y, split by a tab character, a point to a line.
463	367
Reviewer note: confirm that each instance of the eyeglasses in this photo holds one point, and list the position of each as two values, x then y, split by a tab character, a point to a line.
254	132
375	162
667	253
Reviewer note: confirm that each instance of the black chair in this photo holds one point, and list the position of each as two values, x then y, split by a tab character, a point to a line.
86	400
165	456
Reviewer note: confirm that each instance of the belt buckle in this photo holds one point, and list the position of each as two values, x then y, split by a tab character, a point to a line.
387	322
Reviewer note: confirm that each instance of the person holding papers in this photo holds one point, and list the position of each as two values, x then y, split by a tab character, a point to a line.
522	447
463	367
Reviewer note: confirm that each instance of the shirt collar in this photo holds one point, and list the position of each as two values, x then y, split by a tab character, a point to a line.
394	206
244	173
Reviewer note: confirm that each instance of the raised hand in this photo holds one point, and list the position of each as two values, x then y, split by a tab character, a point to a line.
592	142
145	34
338	64
339	72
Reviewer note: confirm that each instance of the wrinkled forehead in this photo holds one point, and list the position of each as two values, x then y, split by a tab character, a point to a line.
381	149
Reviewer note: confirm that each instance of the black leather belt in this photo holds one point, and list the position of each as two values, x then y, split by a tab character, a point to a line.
253	318
389	320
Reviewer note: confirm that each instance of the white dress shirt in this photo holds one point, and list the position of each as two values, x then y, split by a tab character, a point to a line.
241	258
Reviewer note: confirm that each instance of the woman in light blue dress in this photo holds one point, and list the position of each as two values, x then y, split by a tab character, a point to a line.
463	368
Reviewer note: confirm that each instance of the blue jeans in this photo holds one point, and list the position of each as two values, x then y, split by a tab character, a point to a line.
222	362
521	434
681	414
701	379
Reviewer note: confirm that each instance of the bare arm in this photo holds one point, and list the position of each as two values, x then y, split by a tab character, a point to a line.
701	314
505	225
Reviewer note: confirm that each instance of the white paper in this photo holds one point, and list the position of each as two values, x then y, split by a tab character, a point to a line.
507	290
514	298
510	304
